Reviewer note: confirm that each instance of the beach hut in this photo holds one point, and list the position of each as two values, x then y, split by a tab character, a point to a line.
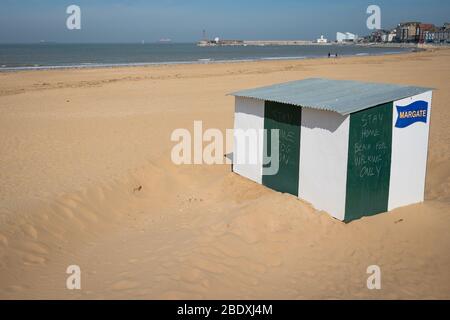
349	148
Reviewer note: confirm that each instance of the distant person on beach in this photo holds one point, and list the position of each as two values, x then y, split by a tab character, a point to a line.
329	54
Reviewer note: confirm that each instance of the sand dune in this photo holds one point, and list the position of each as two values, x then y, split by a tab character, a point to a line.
86	179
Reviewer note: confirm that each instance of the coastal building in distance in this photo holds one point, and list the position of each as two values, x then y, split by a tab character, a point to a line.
345	37
412	32
408	32
440	35
383	36
389	36
322	40
423	33
405	32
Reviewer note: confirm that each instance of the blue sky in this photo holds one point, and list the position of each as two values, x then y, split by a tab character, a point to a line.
183	20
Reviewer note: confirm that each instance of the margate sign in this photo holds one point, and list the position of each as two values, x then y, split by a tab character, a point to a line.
414	112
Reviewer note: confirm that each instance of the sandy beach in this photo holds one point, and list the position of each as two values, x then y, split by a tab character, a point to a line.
86	179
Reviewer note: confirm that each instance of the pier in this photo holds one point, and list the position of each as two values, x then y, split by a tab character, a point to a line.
217	42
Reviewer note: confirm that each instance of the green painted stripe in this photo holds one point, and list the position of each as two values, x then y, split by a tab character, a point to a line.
286	118
369	162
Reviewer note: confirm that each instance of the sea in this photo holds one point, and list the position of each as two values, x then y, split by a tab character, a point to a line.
56	55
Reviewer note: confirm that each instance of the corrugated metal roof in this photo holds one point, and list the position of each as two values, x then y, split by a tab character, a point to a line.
340	96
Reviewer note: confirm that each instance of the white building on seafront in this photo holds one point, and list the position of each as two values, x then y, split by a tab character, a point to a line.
346	37
322	40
